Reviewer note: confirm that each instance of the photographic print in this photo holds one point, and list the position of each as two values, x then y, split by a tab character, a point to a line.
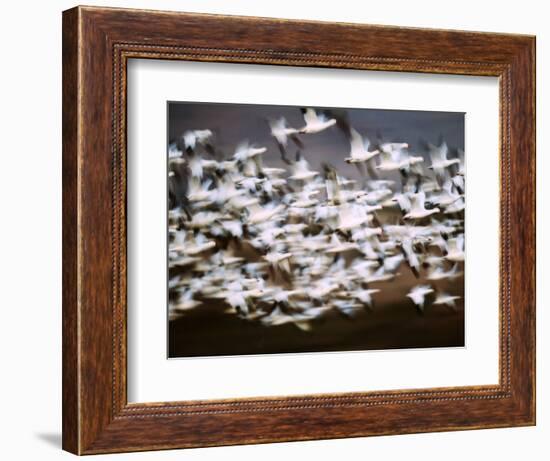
313	229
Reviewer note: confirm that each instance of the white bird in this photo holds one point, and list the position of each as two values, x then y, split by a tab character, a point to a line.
455	249
439	242
321	289
282	133
393	157
351	217
270	172
203	219
375	196
315	123
447	196
193	137
363	268
367	248
279	260
348	308
245	151
365	295
439	158
418	295
258	213
365	233
433	261
458	181
267	237
234	227
447	300
198	191
379	275
283	296
392	263
446	227
177	260
403	201
242	201
226	189
410	255
301	171
184	303
250	183
196	167
175	156
235	297
438	273
456	207
359	148
199	245
314	243
337	246
303	199
418	207
278	317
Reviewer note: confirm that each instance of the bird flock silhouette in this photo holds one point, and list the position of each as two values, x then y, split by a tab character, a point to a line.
289	245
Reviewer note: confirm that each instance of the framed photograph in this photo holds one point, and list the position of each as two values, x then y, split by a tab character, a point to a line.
281	230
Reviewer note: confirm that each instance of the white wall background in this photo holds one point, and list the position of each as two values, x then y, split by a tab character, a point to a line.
30	230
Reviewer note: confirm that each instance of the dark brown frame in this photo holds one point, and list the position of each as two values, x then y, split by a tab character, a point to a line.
97	43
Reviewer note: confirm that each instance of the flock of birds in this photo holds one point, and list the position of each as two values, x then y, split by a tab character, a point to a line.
288	245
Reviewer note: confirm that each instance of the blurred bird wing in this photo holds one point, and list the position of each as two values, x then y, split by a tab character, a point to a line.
439	153
310	116
242	150
277	125
189	139
418	201
356	141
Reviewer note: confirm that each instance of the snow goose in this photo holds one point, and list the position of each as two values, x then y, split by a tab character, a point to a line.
198	191
438	155
175	156
364	295
282	133
300	169
392	157
279	260
418	208
447	196
184	303
410	256
359	148
337	246
192	138
258	213
351	217
456	207
455	249
195	246
315	123
447	300
245	151
418	295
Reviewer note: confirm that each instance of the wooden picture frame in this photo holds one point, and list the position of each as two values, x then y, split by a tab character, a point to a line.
97	43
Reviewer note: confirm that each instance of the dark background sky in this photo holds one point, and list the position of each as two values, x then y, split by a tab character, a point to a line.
233	123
